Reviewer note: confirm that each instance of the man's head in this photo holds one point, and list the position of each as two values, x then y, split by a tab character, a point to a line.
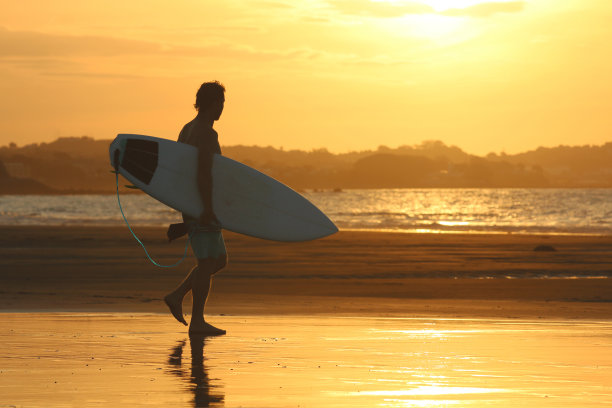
211	97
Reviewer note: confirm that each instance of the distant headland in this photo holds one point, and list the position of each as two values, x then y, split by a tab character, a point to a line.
80	165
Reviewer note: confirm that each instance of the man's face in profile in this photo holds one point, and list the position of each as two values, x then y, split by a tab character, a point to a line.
218	109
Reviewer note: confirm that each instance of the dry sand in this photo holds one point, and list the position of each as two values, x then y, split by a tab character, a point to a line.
350	273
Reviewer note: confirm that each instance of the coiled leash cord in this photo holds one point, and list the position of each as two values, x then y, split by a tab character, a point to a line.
134	235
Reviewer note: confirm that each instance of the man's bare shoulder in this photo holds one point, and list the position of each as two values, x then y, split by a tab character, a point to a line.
184	133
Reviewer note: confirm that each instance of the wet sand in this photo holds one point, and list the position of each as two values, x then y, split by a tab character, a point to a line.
133	360
350	273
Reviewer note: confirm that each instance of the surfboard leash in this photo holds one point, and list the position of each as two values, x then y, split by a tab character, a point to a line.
116	171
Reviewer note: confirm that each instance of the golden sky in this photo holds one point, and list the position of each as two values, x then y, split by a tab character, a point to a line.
341	74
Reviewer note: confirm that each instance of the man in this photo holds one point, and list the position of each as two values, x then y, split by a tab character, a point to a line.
205	233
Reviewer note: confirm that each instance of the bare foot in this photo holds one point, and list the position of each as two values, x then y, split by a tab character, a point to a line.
176	308
204	329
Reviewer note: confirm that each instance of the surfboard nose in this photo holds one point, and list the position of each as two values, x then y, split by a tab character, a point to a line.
137	156
115	151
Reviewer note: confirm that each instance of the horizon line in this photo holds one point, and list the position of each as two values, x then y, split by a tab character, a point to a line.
373	149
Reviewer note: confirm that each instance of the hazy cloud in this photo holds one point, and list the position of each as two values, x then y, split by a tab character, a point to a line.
487	9
379	9
274	4
308	19
33	44
90	75
38	63
53	54
370	8
22	44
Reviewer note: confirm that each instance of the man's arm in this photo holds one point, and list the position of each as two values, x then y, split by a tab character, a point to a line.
205	184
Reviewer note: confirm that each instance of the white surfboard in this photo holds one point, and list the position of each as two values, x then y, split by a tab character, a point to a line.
244	200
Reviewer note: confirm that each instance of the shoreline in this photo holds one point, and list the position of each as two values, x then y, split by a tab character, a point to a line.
421	231
350	273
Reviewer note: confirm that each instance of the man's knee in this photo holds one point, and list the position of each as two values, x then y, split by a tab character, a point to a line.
207	266
210	266
220	263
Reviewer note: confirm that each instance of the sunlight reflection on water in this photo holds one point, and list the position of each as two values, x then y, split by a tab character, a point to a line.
552	211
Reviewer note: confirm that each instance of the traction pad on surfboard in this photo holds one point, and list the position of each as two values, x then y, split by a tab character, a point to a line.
140	158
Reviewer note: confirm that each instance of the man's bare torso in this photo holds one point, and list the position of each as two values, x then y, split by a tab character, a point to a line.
201	136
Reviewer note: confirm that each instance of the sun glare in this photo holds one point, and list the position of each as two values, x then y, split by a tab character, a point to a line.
436	26
443	5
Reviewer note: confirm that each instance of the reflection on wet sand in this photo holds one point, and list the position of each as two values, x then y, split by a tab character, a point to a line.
127	360
205	395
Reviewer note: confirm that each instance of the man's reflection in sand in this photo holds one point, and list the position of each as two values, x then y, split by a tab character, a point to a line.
197	380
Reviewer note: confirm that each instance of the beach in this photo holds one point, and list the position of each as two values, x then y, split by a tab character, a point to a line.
357	319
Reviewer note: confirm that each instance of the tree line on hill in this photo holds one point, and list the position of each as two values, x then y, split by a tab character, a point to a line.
81	165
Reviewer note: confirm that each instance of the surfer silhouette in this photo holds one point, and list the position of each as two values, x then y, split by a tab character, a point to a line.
204	233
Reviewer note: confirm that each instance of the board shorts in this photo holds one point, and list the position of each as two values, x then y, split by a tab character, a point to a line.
206	243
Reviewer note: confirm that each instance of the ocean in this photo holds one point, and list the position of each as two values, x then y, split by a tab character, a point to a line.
522	211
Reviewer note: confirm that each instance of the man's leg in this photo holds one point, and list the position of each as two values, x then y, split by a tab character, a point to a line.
200	287
174	300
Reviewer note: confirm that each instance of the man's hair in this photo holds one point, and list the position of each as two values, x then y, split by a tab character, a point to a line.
209	93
